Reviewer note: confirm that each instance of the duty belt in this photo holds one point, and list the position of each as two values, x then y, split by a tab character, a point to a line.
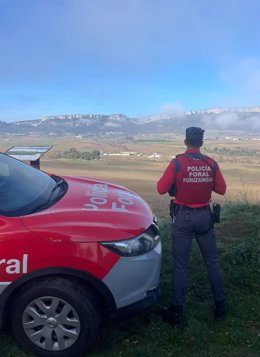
187	208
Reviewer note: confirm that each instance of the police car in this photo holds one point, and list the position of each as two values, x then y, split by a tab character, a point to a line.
73	252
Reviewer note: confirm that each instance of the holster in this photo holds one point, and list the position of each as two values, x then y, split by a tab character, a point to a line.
173	209
216	208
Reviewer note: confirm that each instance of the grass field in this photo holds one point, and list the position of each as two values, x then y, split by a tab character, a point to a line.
238	244
237	336
140	173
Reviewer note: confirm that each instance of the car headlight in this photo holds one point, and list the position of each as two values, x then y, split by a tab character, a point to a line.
136	246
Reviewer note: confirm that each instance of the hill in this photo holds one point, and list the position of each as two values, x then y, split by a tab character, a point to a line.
217	121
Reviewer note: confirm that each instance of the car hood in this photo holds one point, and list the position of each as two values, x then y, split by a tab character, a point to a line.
92	210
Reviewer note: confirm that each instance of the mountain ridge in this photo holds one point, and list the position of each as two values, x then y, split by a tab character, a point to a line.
243	119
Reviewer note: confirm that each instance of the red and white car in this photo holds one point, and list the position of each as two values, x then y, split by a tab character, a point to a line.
73	252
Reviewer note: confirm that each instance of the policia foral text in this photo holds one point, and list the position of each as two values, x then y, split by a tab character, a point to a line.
193	176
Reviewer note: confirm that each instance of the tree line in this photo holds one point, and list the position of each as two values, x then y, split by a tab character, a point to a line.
73	153
232	152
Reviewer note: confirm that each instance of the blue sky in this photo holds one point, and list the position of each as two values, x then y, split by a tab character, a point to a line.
135	57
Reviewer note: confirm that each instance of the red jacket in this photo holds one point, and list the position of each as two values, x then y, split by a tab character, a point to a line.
195	180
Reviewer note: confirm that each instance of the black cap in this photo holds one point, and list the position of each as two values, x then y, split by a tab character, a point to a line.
194	132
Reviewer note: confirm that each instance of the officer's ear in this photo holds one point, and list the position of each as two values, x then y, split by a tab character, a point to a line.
185	142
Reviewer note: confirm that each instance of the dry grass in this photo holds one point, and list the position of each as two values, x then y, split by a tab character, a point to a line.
139	173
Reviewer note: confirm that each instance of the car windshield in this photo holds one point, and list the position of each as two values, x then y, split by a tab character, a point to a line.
25	190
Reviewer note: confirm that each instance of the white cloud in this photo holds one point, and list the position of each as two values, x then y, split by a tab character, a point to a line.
231	120
173	109
112	125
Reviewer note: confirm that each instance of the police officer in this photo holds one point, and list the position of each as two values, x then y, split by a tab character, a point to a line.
194	176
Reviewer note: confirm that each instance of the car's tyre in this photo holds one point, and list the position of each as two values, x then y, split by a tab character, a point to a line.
56	317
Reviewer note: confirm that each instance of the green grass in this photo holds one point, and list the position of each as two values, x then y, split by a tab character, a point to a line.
237	336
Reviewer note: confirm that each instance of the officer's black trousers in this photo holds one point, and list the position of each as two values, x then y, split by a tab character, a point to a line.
198	223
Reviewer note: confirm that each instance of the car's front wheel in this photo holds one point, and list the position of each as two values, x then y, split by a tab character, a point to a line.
56	317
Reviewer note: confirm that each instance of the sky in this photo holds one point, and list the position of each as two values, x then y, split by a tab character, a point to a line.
134	57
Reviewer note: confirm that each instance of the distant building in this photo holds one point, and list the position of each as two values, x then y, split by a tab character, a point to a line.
121	153
154	155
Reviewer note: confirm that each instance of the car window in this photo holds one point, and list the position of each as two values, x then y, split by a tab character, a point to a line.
24	189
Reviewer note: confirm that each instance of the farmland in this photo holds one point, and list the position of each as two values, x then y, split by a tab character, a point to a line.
138	164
